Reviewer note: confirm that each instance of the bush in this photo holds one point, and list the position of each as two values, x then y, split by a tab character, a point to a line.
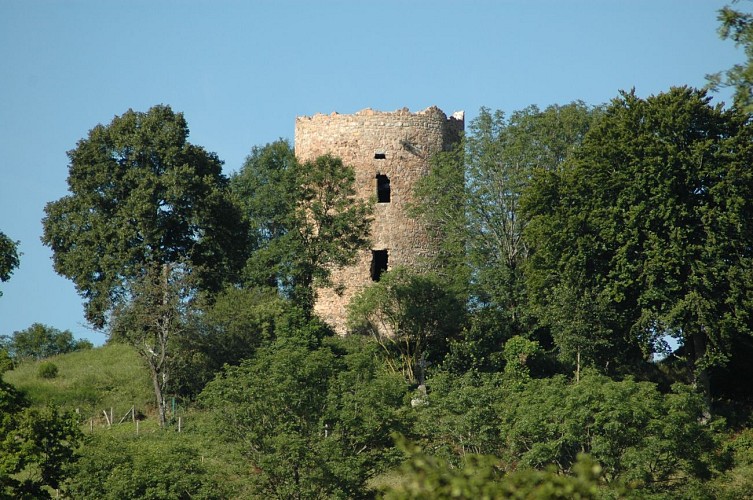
47	370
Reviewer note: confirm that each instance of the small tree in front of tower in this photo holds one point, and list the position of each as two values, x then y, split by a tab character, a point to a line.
411	316
304	217
329	225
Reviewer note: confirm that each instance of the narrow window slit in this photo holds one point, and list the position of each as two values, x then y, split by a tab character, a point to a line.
378	264
380	155
383	188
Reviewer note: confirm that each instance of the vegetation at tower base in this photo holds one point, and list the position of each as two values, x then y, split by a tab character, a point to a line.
647	228
144	204
411	316
304	219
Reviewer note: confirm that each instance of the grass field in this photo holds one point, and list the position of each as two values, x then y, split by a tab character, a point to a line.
104	378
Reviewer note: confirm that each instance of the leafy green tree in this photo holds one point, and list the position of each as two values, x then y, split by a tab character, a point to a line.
647	222
312	422
329	225
36	445
141	195
224	331
305	220
461	418
366	405
146	209
8	257
441	200
164	467
411	316
639	436
503	154
42	341
471	201
154	321
266	189
737	26
271	406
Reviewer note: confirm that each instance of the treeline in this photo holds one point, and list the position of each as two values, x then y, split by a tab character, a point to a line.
531	360
584	330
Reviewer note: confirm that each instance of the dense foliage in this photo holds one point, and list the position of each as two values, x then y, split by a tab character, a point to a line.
41	341
644	233
141	196
35	446
304	220
584	332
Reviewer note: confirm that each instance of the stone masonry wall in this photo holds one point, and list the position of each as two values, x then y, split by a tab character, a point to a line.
398	145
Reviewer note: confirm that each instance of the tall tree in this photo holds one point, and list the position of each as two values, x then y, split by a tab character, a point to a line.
441	199
266	189
652	219
305	219
141	194
503	154
142	200
153	320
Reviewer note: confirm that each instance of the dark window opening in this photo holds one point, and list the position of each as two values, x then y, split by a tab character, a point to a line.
378	264
383	188
380	155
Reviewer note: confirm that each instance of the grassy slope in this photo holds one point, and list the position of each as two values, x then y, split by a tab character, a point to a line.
107	377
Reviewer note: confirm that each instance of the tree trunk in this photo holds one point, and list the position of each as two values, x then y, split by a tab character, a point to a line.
159	396
700	375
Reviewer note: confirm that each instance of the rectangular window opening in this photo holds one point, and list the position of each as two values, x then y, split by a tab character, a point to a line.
378	264
383	188
380	155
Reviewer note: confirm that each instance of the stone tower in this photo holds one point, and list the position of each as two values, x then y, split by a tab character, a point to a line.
389	152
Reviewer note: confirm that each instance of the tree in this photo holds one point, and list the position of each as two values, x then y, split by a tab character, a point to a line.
153	320
266	189
144	204
36	446
305	220
312	421
503	154
738	26
141	195
441	200
471	202
42	341
112	467
8	257
412	316
638	435
650	217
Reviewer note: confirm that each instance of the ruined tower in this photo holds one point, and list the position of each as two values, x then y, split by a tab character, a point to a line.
389	152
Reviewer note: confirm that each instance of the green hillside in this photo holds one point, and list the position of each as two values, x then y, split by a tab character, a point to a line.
106	377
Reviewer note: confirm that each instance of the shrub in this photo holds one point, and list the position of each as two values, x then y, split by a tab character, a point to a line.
47	370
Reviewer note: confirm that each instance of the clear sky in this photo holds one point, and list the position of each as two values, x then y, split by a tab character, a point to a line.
241	71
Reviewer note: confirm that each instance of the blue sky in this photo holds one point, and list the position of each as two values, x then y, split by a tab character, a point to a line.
241	71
